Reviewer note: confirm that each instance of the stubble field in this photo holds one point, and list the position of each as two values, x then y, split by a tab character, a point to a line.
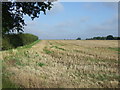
63	64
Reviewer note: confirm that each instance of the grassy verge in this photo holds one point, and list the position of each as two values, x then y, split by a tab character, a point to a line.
15	60
29	46
24	47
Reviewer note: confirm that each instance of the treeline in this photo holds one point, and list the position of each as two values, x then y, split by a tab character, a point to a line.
10	41
109	37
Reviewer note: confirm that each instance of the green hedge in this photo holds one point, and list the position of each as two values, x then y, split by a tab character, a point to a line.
10	41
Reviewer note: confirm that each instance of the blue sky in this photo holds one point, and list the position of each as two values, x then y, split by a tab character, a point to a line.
70	20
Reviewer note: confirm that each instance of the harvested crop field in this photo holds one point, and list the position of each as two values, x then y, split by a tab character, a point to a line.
63	64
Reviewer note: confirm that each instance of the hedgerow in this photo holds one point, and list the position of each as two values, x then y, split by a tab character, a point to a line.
10	41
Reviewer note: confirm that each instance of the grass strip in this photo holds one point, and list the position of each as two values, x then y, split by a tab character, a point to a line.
29	45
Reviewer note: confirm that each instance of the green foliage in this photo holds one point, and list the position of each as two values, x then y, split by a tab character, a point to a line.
6	43
97	38
29	45
47	51
10	41
41	64
6	83
58	48
115	49
13	14
78	38
19	63
109	37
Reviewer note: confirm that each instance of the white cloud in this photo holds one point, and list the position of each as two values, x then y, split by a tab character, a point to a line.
84	19
57	7
109	5
71	22
109	26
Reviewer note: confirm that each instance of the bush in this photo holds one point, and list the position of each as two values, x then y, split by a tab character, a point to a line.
6	44
10	41
110	37
78	39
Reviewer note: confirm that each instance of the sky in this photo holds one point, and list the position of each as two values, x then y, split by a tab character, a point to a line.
70	20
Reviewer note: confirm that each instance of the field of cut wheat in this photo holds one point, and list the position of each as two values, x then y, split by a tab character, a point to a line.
63	64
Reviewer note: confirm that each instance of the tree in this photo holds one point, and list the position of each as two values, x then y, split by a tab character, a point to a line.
118	38
13	12
78	38
110	37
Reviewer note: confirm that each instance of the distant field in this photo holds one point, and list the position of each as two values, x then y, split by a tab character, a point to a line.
63	64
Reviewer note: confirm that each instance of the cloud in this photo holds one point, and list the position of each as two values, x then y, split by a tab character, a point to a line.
60	30
84	19
94	6
57	7
72	22
73	28
109	26
64	24
89	6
